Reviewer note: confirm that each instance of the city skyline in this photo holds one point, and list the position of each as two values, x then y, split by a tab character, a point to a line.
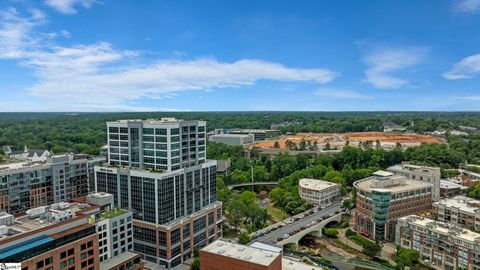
89	55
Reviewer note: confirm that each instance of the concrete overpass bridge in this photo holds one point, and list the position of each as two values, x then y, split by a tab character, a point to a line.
250	184
315	230
303	220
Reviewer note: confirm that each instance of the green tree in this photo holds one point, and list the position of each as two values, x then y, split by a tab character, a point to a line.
196	264
244	238
371	249
406	258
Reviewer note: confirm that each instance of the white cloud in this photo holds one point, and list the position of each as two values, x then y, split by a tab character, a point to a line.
384	60
467	6
68	6
341	94
99	77
468	67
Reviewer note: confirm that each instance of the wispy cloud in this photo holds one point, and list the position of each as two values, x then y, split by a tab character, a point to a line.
68	6
467	6
341	94
98	76
382	61
468	67
468	98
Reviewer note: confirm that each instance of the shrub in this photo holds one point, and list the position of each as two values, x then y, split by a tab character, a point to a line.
330	232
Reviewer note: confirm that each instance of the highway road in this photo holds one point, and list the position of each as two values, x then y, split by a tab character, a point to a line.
272	237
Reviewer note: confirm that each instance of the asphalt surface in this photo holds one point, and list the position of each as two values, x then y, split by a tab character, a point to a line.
272	237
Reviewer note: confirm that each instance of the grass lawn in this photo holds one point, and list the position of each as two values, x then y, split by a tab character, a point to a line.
275	213
360	240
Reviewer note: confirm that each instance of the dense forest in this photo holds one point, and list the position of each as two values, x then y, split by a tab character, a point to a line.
86	132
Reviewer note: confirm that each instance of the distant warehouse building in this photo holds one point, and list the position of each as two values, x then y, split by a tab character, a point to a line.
232	139
385	197
318	192
258	134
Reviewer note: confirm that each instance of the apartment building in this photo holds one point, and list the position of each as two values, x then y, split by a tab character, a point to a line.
158	170
421	173
166	144
385	197
318	192
25	185
440	245
459	210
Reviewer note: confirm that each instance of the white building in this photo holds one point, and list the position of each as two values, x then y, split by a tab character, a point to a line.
422	173
318	192
114	226
232	139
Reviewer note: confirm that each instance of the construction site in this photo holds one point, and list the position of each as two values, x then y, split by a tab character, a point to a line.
321	141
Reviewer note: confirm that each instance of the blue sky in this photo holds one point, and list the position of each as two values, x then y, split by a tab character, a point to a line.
107	55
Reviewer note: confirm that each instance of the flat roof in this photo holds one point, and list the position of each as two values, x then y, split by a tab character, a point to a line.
241	252
290	264
449	184
268	247
443	227
315	184
461	203
230	135
117	260
409	184
24	224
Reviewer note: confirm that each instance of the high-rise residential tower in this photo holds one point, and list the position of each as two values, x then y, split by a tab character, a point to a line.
158	169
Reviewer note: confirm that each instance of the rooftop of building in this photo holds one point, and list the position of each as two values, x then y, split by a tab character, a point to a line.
241	252
315	184
118	260
410	167
252	130
41	217
451	185
442	228
292	264
115	212
13	165
462	203
163	120
387	181
228	135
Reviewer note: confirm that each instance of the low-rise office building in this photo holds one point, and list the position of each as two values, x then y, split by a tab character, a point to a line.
232	139
440	245
385	197
318	192
66	235
60	237
459	210
25	185
221	255
421	173
258	134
